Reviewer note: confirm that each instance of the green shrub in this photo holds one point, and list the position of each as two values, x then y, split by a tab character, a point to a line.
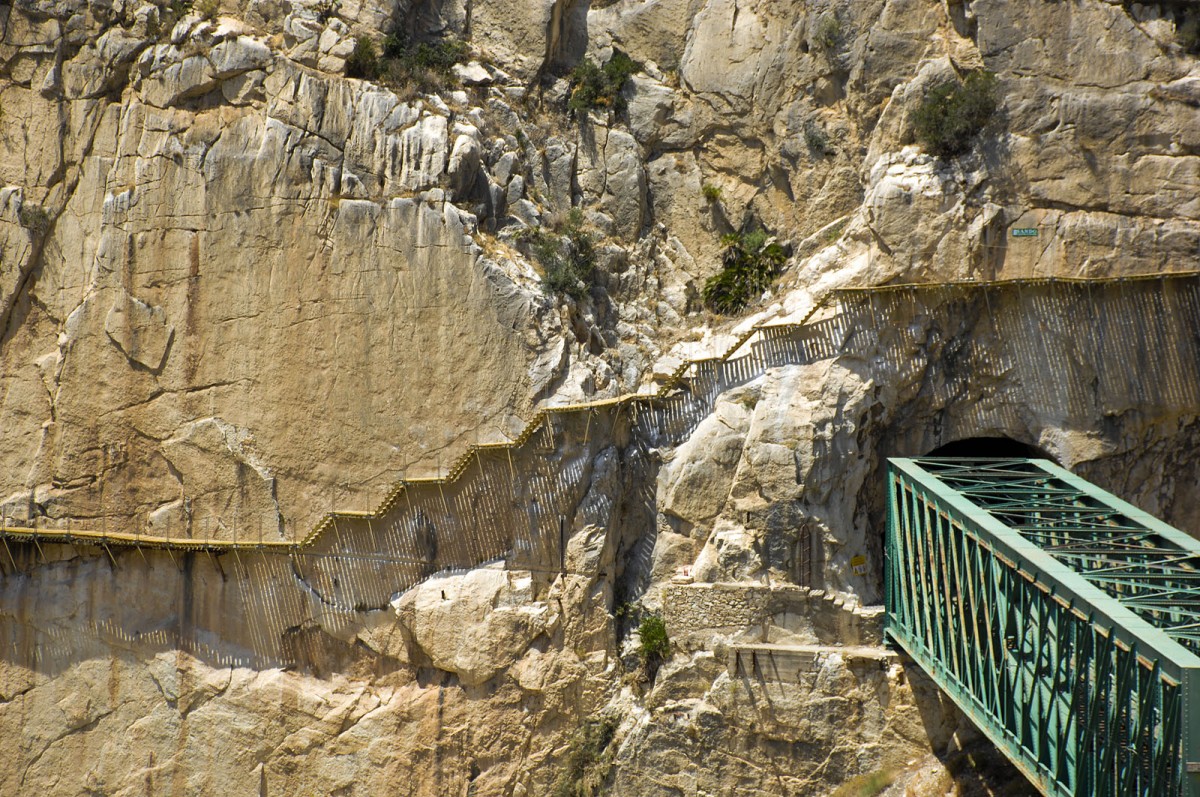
396	44
440	56
600	87
589	89
207	9
952	113
33	218
177	9
828	32
749	266
326	10
1188	32
364	61
589	760
711	192
567	255
427	66
815	139
653	643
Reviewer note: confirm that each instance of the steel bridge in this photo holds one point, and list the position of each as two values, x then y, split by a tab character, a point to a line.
1063	621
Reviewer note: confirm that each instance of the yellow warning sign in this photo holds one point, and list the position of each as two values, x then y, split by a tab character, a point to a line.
859	565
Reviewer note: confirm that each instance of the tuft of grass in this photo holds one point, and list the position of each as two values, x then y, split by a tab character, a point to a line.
595	86
207	9
711	192
954	112
567	255
589	759
835	232
750	262
867	785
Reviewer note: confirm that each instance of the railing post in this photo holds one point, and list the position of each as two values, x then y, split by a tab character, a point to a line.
1190	720
890	555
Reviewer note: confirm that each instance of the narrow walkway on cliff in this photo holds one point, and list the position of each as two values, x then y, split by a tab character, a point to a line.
1063	621
1107	342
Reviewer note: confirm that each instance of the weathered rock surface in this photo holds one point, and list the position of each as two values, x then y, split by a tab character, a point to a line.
239	289
475	625
244	242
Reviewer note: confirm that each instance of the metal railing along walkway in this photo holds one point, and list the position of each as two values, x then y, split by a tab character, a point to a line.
1063	621
519	501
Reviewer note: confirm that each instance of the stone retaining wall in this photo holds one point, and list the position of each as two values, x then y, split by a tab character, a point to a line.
694	613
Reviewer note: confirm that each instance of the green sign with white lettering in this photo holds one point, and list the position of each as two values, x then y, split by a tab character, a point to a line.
1024	232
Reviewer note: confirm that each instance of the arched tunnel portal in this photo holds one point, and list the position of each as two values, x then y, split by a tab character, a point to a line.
988	447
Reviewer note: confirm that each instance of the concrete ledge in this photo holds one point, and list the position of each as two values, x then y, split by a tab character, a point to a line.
768	662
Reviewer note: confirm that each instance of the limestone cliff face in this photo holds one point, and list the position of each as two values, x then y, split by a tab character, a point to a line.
239	288
209	233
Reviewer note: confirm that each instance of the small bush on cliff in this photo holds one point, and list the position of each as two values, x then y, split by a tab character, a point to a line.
427	66
828	32
595	86
653	643
952	113
207	9
326	10
750	262
33	218
439	55
567	256
815	139
176	10
364	61
589	759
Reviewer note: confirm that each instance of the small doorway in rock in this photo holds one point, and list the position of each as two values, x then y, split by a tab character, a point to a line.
990	447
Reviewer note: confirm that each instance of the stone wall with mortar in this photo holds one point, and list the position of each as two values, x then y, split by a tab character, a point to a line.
696	613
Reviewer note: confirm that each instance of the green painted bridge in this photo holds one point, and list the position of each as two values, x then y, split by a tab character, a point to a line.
1063	621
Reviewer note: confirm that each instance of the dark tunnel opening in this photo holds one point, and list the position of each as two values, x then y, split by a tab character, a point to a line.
989	447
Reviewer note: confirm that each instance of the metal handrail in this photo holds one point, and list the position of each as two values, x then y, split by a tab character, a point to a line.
460	466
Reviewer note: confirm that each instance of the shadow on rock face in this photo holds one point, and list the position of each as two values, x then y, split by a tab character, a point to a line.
963	755
990	447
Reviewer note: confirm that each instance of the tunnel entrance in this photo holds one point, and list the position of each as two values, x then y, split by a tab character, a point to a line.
988	447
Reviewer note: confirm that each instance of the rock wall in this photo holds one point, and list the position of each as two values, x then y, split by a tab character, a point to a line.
219	196
757	663
236	293
239	288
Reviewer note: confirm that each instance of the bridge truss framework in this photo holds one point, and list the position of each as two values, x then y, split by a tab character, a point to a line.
1063	621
